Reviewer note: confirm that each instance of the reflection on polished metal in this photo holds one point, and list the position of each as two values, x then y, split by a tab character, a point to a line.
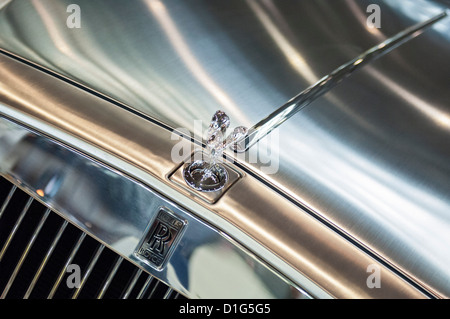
16	227
204	176
356	161
24	254
118	217
207	175
308	252
178	177
161	238
45	260
279	116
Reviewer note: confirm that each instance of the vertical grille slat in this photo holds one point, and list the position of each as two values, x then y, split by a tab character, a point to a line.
37	245
7	199
68	262
168	293
154	290
132	283
89	270
145	287
25	254
110	278
45	259
15	228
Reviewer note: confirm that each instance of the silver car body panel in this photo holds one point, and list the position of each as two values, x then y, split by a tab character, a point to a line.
368	160
309	253
119	211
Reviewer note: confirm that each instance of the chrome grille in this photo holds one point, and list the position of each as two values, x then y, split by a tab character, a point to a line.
37	246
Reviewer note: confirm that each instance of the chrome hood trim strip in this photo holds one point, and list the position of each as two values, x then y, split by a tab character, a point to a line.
116	210
308	253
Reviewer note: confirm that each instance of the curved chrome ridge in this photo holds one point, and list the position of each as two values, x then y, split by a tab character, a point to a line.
116	210
369	160
297	103
309	253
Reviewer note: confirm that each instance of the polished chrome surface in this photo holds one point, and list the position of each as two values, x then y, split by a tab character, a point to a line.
88	271
308	252
15	228
202	176
24	254
111	275
208	174
306	97
45	260
132	283
178	176
368	160
117	210
67	263
43	243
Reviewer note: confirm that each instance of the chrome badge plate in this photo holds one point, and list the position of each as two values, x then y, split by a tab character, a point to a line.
161	238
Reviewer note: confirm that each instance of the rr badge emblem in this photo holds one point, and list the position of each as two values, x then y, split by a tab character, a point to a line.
160	239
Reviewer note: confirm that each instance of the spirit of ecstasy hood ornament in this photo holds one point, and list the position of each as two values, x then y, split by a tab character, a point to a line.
208	175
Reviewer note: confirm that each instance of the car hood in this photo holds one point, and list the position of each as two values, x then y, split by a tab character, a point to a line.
369	158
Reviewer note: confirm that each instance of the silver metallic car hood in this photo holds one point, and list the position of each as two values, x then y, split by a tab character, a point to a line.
370	158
